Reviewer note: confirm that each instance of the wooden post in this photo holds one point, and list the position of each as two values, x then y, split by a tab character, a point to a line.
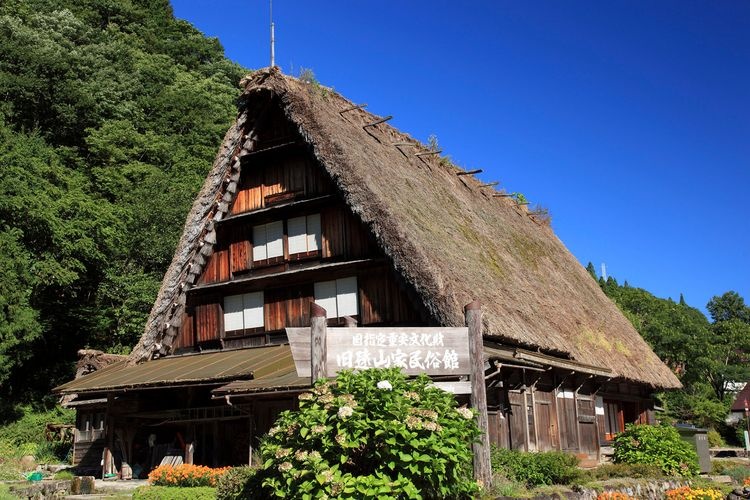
482	470
318	323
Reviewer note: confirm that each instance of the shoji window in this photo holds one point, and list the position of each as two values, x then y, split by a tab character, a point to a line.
304	234
337	297
242	312
268	241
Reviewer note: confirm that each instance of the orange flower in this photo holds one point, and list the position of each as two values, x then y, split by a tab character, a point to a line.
186	475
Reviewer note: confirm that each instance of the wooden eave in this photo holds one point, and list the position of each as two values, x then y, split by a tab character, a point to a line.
292	275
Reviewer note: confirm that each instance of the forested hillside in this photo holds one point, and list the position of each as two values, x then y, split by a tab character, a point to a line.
708	356
111	114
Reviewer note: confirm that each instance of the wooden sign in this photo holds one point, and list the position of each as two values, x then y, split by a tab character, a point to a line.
458	387
428	350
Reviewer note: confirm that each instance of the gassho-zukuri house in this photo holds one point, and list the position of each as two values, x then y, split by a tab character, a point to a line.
312	198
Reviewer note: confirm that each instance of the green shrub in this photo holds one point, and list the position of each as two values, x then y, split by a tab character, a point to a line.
26	435
370	434
739	432
635	471
714	439
174	493
31	426
64	474
738	473
720	465
534	469
656	445
234	485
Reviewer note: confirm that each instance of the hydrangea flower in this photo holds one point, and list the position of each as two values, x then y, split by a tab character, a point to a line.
465	412
345	412
386	385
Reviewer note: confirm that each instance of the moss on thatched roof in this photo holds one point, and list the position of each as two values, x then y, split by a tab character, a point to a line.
451	240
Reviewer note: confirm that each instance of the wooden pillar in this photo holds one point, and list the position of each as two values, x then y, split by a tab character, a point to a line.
109	438
526	431
318	323
189	452
251	423
482	470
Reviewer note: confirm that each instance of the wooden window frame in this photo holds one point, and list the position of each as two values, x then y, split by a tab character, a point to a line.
244	332
618	418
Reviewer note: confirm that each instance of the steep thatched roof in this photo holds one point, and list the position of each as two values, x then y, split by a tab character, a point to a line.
449	239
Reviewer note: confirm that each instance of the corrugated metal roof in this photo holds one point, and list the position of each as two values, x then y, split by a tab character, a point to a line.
284	380
193	369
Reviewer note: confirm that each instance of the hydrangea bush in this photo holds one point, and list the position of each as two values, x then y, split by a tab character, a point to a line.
370	434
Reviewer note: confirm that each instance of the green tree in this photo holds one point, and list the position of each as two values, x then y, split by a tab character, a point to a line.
591	270
111	114
727	307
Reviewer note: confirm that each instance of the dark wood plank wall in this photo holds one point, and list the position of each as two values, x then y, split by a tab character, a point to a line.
382	301
545	413
560	413
292	174
209	320
342	237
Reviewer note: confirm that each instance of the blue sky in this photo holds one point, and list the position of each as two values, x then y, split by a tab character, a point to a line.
629	120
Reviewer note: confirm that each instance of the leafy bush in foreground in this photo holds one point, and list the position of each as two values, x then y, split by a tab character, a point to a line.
656	445
534	469
234	485
370	434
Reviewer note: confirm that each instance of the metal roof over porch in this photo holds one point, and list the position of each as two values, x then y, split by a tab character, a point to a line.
256	370
185	370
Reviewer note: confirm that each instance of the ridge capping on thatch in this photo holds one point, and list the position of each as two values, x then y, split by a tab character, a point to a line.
535	293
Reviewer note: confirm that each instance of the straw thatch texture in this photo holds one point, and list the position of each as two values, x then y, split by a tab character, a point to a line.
454	242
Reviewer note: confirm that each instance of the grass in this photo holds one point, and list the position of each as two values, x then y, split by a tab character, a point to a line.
5	493
64	474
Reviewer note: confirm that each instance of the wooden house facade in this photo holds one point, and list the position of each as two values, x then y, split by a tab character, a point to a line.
313	199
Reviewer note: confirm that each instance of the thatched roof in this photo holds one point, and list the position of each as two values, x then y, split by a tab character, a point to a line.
451	240
91	360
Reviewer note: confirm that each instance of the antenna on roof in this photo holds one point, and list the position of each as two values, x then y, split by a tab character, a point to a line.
273	40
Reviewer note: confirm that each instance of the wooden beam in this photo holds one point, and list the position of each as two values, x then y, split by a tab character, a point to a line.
399	144
428	153
502	195
470	172
378	122
482	469
318	323
250	154
489	184
356	106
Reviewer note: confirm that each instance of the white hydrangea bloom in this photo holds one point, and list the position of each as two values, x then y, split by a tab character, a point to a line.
345	412
384	384
466	413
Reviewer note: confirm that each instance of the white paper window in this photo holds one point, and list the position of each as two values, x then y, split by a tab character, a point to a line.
337	297
325	297
243	311
346	296
313	232
304	233
268	240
